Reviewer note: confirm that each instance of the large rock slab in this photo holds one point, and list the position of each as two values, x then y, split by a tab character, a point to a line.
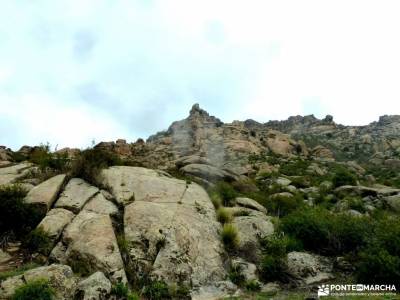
207	172
44	194
251	229
140	184
364	191
55	221
309	268
95	287
76	194
99	204
393	202
192	159
60	278
11	174
172	232
215	291
250	203
4	257
90	242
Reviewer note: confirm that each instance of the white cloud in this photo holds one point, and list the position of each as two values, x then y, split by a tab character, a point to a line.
133	67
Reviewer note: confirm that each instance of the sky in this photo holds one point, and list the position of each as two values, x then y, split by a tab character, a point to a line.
77	71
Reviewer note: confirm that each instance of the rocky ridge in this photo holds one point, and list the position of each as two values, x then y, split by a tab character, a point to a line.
155	217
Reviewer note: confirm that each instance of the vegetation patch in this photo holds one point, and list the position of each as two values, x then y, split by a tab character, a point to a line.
18	271
324	232
236	275
16	217
224	215
38	290
156	290
38	241
230	236
225	192
90	162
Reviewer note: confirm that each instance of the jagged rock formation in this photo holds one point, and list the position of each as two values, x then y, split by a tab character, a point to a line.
139	223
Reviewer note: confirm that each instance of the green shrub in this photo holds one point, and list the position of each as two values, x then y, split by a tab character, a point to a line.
89	163
133	296
18	157
38	241
281	205
379	261
120	290
273	265
15	215
236	275
216	199
273	268
378	266
156	290
355	203
45	159
278	245
37	290
342	176
322	231
226	192
293	244
294	167
224	215
252	285
179	291
229	236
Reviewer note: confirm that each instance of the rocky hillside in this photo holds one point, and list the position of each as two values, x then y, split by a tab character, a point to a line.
204	210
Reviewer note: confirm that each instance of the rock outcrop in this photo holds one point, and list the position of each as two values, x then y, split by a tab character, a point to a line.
11	174
170	226
60	278
76	194
44	194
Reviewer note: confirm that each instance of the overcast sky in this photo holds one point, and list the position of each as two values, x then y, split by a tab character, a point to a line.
74	71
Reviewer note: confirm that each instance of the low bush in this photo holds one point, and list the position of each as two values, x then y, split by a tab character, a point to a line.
379	261
120	290
342	176
355	203
236	275
273	268
281	205
273	265
295	167
252	285
278	245
179	291
38	241
230	236
216	199
15	215
132	296
225	191
156	290
224	215
38	290
89	163
378	266
322	231
45	159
